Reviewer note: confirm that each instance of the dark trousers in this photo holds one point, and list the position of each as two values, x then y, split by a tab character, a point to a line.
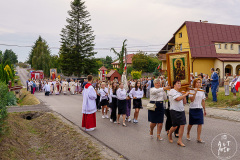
47	93
114	109
31	89
98	102
144	90
168	123
214	92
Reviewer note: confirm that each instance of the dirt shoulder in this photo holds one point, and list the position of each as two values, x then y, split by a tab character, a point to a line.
48	136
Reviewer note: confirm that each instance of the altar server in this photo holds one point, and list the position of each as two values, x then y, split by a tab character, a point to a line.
89	106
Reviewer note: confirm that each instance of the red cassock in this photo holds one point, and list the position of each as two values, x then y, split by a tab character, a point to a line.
89	120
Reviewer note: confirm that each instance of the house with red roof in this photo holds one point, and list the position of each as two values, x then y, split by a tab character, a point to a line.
210	46
116	63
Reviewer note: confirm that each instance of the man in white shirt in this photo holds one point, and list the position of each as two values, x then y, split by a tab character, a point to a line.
46	89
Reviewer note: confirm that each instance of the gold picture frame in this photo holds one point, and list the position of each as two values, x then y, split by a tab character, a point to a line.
178	67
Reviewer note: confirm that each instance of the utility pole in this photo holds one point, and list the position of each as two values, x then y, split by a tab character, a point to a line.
126	60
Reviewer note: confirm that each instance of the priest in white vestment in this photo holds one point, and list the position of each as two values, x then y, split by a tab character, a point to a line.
64	87
89	106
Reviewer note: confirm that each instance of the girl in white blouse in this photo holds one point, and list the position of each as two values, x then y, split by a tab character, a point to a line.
104	99
136	94
121	96
196	110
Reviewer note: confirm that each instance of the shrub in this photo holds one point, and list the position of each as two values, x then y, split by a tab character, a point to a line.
3	104
136	74
11	99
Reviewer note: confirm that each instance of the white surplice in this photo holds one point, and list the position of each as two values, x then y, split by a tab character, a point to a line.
89	100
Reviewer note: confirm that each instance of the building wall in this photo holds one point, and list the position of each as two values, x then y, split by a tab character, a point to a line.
203	65
229	50
184	42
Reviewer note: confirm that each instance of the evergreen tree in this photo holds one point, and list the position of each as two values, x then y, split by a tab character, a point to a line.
9	55
39	57
1	56
77	42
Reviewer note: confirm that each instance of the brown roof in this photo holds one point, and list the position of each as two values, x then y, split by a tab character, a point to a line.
229	59
202	37
102	68
111	73
129	59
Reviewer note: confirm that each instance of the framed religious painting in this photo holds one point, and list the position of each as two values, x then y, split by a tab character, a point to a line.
178	68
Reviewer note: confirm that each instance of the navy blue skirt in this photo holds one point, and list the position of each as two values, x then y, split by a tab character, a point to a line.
178	118
195	116
156	116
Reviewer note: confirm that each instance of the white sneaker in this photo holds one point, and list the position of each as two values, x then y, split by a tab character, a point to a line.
133	120
106	116
115	122
136	121
129	119
111	120
91	129
103	116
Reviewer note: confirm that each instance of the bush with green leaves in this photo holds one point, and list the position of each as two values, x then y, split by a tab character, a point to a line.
3	104
136	74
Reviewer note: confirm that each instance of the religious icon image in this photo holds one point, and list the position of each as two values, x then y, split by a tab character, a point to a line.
179	69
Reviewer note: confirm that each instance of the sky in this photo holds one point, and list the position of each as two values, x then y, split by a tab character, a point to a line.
146	24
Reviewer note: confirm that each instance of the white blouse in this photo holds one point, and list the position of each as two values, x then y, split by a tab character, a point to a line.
175	105
103	93
197	103
157	94
121	94
138	94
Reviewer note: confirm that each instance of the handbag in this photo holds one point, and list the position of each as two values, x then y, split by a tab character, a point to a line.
151	106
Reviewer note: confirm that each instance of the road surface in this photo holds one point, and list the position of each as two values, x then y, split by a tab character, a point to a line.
134	142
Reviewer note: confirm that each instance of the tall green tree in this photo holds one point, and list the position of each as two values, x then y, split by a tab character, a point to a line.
140	62
40	57
120	56
108	62
10	55
1	56
77	42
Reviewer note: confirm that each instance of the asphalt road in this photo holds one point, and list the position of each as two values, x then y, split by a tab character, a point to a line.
134	142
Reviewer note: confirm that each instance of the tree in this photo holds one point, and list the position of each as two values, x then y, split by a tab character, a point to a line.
140	62
39	57
121	55
1	56
108	62
77	41
9	55
152	64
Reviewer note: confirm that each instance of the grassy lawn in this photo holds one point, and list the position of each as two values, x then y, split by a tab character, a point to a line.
44	137
222	100
26	98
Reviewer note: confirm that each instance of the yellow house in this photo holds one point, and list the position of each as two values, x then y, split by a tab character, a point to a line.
210	46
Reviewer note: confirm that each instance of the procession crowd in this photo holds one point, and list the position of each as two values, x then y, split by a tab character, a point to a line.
114	98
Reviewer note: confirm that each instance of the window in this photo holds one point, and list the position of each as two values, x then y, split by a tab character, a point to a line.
180	35
219	46
225	46
231	46
180	46
239	49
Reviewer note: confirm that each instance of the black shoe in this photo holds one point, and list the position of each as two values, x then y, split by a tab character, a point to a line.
176	136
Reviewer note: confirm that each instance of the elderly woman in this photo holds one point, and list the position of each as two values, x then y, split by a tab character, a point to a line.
177	99
157	96
226	85
196	110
